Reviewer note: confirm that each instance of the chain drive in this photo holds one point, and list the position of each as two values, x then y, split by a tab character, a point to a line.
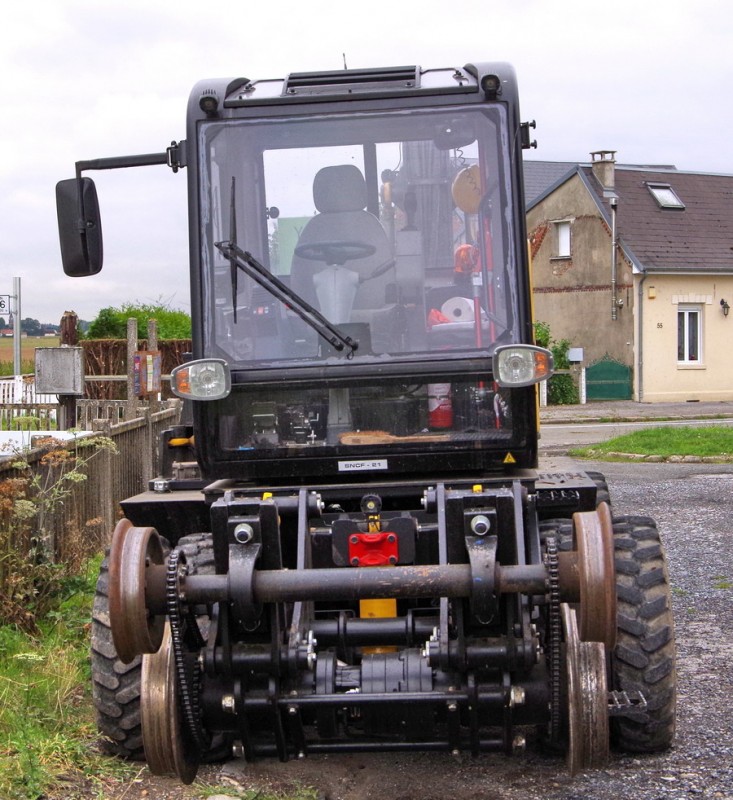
554	636
187	669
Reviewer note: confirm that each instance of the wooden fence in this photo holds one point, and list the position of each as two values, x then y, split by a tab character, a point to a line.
82	524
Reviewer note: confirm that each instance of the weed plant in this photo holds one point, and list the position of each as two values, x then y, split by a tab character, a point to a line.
32	498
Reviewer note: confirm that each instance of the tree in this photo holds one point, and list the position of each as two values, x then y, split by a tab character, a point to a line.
31	327
111	322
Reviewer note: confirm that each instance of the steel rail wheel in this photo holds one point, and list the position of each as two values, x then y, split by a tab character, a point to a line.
587	692
134	630
597	573
167	750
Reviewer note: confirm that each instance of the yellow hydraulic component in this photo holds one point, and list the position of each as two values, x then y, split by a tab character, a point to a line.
181	442
380	606
375	609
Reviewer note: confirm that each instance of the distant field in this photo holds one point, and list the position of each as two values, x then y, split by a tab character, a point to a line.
27	348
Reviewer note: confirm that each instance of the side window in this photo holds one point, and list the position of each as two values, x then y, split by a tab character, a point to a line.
689	335
562	239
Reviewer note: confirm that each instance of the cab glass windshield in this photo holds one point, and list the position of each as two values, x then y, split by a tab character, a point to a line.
392	227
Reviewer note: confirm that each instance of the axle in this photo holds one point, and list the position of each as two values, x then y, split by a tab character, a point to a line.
288	586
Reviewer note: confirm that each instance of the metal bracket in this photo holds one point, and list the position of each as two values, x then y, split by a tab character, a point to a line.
242	560
175	155
482	557
626	704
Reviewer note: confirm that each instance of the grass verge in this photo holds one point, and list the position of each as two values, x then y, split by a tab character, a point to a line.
47	729
48	734
710	442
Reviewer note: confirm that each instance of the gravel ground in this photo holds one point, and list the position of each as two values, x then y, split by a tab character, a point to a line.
693	506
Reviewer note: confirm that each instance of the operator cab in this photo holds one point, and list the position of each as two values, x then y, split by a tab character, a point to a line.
394	226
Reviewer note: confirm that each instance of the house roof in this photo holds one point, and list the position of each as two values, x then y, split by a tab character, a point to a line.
696	238
540	177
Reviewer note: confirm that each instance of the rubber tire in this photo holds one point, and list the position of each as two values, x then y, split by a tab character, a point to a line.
116	686
602	493
644	656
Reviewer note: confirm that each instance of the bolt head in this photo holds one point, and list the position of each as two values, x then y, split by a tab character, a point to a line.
243	533
517	696
480	525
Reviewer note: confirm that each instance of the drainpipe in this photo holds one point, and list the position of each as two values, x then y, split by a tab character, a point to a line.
640	340
613	200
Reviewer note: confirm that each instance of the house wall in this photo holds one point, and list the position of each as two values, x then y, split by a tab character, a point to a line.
662	378
573	296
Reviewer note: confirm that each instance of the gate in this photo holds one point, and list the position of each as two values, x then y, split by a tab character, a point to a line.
608	379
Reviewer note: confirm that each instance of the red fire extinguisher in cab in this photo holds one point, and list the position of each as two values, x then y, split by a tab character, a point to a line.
440	406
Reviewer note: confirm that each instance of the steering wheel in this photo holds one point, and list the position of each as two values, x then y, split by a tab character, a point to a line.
337	253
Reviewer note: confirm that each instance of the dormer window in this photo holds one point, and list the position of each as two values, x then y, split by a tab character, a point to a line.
665	196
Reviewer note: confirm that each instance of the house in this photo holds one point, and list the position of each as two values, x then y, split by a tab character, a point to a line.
634	264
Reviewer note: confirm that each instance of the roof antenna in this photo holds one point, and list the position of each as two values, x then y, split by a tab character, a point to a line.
344	57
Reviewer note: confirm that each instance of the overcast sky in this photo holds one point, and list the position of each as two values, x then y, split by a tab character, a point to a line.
85	78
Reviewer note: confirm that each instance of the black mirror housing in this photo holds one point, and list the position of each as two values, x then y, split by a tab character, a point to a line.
80	227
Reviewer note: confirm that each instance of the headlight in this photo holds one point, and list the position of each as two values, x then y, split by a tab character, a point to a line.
522	365
205	379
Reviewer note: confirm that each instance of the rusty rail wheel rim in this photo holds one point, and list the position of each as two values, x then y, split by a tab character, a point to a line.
587	693
134	630
167	750
597	576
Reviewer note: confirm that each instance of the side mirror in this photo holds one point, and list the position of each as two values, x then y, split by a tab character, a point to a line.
80	227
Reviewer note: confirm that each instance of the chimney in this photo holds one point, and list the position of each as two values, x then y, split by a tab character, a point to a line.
603	166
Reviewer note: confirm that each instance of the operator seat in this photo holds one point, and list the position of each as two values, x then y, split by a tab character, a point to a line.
340	196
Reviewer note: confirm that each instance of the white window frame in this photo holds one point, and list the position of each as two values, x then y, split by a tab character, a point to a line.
687	312
563	238
665	196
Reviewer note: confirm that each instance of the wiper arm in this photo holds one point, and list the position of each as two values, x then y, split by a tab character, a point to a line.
245	261
233	273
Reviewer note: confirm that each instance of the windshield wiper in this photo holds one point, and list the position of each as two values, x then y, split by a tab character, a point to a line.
241	259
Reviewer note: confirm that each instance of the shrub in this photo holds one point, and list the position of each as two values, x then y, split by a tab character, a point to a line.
561	389
111	322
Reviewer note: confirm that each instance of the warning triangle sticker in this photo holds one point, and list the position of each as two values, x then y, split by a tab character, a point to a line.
510	459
